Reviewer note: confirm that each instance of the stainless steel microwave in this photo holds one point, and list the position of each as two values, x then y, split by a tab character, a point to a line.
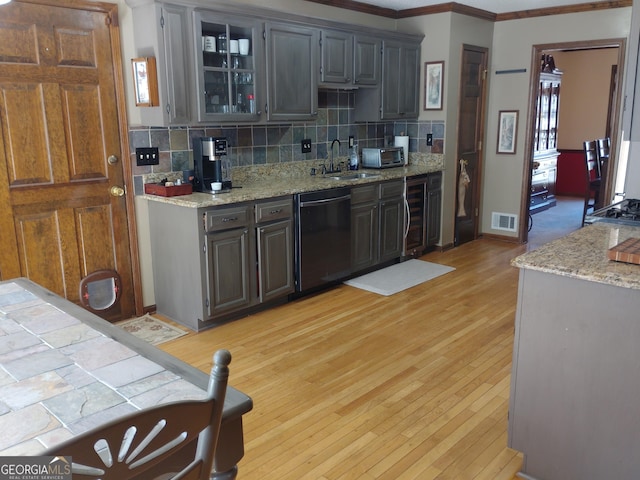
382	157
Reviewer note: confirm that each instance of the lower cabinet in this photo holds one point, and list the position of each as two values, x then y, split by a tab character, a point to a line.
274	240
214	263
391	220
376	224
228	271
364	227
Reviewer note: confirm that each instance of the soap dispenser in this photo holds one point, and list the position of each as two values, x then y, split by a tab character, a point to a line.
353	158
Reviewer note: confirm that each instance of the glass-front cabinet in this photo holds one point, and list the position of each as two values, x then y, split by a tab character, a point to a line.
229	52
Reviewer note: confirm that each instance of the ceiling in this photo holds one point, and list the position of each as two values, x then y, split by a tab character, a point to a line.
493	6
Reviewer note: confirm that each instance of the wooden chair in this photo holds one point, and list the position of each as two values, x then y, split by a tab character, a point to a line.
172	441
603	146
592	178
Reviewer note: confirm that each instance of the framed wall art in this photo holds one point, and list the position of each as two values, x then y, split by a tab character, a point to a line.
507	131
145	81
433	85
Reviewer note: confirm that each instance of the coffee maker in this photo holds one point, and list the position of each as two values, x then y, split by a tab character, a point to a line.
211	163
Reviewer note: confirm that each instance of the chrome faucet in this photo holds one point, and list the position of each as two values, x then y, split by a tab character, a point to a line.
331	165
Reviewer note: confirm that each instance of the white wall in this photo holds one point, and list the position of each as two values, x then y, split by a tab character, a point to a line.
512	49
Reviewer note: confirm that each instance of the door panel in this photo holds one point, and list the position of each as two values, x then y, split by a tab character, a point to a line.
469	148
60	125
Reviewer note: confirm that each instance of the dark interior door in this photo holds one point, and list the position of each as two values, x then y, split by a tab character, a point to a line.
469	148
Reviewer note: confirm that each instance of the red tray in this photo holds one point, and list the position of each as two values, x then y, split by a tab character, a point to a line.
156	189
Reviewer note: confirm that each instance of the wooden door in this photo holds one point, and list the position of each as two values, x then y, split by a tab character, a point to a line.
63	212
469	148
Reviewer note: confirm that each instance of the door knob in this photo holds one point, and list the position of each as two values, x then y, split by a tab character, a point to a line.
112	160
117	191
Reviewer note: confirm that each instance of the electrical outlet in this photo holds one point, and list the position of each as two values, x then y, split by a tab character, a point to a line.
351	140
429	139
147	156
306	145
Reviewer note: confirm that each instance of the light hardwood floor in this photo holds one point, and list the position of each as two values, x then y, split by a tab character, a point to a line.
348	384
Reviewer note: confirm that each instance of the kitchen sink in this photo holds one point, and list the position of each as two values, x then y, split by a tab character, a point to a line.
354	176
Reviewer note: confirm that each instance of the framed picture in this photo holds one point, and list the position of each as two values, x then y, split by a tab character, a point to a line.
145	81
507	131
433	85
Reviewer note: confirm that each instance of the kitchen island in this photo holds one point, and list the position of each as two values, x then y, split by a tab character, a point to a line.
63	371
574	410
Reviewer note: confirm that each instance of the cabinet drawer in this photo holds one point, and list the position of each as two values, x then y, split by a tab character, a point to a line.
226	218
364	194
391	189
274	210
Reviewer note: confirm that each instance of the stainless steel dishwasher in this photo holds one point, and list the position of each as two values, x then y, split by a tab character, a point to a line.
323	237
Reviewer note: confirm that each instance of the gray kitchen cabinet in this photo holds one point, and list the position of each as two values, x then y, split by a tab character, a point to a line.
211	264
434	208
349	60
391	208
364	227
367	58
292	71
229	80
228	270
274	238
163	31
399	93
376	224
336	57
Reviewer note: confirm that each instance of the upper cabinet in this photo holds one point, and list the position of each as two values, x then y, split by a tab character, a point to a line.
292	66
229	68
164	31
398	96
348	60
243	64
367	58
336	57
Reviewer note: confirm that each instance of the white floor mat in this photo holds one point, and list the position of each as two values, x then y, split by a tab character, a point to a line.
398	277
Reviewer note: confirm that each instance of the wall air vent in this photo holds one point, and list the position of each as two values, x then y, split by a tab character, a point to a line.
504	221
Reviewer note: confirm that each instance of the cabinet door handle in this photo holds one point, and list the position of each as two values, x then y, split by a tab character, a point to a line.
273	212
229	219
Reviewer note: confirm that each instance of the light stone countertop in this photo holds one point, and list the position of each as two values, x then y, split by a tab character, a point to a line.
583	255
269	181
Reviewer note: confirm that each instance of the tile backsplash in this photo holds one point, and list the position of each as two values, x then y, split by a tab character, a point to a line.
264	144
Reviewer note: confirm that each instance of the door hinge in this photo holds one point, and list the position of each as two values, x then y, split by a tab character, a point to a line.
107	20
479	144
264	34
161	21
484	74
477	211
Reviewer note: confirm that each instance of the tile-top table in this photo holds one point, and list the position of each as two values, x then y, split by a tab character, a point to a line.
63	371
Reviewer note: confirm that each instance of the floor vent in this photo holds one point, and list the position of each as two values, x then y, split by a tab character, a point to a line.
504	221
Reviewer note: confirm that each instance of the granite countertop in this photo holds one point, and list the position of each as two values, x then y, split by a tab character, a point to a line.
583	255
263	182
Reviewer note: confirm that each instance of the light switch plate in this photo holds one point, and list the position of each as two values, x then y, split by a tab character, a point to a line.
147	156
306	145
429	139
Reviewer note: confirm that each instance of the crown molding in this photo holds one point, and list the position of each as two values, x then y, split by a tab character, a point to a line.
455	7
